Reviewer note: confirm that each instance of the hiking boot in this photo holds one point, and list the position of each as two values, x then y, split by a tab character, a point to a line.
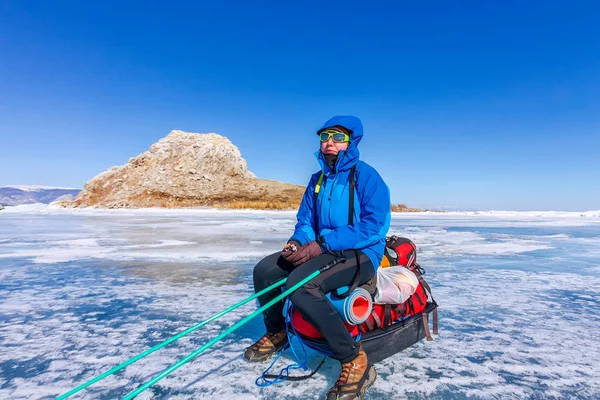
356	376
266	346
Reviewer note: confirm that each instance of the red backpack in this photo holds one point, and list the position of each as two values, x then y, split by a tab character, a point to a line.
401	251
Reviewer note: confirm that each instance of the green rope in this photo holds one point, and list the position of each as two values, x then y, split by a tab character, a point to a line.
169	341
221	336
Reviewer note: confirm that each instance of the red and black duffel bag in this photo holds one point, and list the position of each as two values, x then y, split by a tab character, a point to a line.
398	251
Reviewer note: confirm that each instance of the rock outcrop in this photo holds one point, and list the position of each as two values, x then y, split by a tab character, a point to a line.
185	170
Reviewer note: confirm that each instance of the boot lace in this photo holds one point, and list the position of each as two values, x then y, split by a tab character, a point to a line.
267	337
345	374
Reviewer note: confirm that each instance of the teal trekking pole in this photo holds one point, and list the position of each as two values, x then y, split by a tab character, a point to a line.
169	341
210	343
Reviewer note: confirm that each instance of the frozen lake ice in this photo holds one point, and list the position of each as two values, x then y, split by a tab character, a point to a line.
83	290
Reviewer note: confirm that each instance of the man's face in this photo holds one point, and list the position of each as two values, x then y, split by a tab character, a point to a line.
336	139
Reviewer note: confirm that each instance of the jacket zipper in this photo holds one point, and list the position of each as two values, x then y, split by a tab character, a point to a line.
336	174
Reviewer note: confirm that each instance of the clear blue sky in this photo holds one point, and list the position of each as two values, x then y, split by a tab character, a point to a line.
466	104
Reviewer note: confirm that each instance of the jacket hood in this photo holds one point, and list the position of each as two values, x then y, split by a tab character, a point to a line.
346	158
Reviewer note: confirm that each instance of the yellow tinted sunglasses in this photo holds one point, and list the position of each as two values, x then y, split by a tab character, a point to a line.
335	134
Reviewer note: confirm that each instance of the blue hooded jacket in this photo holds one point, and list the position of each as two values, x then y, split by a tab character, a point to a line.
372	203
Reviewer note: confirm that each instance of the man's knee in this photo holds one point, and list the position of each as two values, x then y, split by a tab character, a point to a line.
265	267
309	290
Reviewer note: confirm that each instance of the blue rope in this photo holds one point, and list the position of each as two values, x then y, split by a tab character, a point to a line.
263	381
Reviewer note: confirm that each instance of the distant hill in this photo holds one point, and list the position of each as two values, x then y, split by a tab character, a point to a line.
17	195
187	169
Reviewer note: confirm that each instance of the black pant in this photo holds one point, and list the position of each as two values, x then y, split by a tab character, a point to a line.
310	298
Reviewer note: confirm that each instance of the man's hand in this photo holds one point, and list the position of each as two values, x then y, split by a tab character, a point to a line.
305	253
289	249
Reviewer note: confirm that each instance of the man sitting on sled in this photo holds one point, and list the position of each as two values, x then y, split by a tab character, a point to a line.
345	212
